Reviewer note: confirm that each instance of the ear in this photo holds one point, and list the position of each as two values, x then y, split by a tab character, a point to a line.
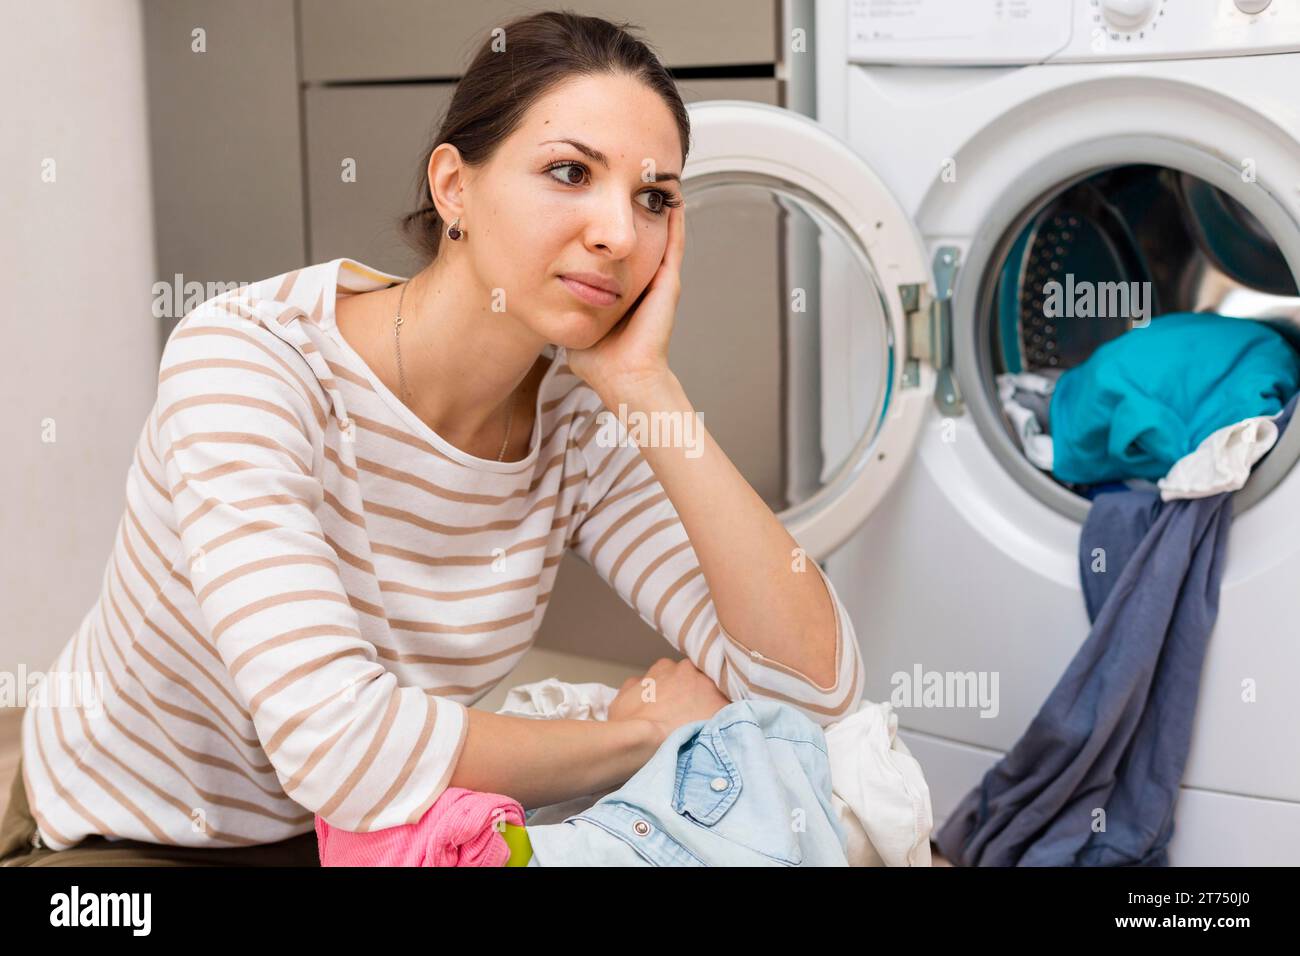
448	176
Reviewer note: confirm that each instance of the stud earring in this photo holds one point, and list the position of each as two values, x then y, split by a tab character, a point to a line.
454	231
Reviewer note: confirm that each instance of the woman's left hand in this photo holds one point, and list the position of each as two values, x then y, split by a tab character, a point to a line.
635	351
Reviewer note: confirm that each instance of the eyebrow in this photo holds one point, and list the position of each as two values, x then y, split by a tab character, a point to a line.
601	158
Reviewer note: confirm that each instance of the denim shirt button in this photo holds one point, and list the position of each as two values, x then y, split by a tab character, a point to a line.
719	783
641	827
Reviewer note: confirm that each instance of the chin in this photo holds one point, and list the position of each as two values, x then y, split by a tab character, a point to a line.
576	329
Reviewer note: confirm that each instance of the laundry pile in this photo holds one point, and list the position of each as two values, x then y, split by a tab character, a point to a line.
1192	401
757	784
1146	400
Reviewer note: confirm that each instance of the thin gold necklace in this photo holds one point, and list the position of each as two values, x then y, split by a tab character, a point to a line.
401	373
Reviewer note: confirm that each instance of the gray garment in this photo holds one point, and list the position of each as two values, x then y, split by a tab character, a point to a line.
1035	396
1037	403
1115	732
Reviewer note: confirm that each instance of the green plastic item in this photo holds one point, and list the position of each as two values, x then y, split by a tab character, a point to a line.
521	850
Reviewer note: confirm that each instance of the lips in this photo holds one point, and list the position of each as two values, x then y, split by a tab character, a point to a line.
592	288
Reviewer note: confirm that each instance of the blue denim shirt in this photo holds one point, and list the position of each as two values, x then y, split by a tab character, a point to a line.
750	786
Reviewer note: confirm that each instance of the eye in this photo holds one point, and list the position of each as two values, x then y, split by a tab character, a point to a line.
660	202
567	176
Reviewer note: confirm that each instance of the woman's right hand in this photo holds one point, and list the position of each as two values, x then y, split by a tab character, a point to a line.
682	693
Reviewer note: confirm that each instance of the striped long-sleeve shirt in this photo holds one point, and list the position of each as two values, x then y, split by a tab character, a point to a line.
309	586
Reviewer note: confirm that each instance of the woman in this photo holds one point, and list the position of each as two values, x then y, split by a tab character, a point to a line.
348	505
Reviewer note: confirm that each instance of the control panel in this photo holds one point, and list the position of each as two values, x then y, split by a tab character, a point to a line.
1010	32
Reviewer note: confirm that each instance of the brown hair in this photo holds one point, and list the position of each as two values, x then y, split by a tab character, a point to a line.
541	50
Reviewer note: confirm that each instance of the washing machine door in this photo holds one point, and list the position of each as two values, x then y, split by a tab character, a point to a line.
854	290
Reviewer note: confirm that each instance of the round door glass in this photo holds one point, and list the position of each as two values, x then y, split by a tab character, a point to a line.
783	340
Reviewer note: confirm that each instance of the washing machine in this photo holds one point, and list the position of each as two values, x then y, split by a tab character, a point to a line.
962	151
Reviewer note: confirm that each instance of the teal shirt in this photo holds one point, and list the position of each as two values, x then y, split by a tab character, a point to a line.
1146	399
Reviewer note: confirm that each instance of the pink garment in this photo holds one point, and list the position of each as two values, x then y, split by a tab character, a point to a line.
460	829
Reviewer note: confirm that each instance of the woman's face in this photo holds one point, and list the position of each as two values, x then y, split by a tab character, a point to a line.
573	193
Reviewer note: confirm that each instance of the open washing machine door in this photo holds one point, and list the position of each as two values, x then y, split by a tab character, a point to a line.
877	277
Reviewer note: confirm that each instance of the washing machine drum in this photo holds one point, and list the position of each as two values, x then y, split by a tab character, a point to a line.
1233	239
1078	237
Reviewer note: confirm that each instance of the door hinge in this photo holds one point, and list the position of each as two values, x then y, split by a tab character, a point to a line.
929	331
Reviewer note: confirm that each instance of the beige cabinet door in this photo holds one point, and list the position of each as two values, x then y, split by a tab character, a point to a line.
365	146
419	39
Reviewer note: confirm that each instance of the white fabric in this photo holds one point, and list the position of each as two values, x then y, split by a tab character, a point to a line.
1037	445
554	699
1221	462
878	790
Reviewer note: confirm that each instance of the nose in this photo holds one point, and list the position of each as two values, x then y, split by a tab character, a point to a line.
611	230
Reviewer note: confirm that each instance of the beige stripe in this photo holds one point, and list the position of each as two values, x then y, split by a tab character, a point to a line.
397	435
610	494
640	539
144	470
253	527
669	594
120	798
623	520
203	795
240	364
503	524
166	638
445	780
296	674
322	750
289	637
344	468
347	556
294	721
39	817
276	561
248	504
216	471
349	376
201	757
654	566
456	560
239	438
461	661
376	744
186	810
517	584
286	286
224	399
159	596
236	333
449	691
344	512
836	710
274	600
408	768
451	495
483	627
317	310
98	825
690	622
